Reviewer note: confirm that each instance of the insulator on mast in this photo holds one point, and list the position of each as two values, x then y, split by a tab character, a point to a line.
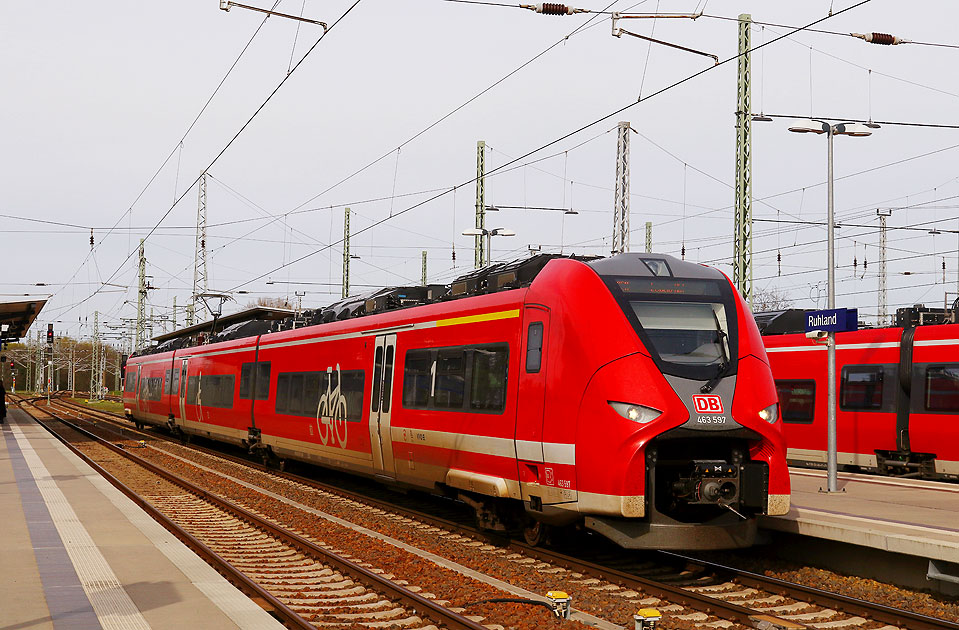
883	39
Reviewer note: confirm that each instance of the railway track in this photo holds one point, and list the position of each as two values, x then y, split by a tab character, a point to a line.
683	586
299	581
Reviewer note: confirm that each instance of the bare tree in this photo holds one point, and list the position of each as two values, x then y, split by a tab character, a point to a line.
770	299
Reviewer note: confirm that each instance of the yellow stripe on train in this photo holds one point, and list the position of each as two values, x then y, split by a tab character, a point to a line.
472	319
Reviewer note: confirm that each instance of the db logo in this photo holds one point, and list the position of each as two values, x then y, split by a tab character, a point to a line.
708	404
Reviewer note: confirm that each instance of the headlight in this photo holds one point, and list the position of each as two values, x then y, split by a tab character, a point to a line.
770	414
636	413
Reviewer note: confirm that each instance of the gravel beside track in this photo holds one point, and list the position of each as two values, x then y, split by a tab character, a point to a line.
601	597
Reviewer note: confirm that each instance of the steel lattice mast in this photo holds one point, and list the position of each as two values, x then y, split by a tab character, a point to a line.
743	237
141	300
480	256
883	214
199	255
621	202
346	254
96	361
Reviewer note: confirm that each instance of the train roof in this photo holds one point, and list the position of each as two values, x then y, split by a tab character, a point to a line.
652	265
499	277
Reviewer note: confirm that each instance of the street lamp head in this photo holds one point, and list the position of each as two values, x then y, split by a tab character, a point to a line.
570	211
761	118
855	130
474	232
502	232
492	209
810	127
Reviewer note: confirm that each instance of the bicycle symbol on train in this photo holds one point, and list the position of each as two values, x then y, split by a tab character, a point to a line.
331	411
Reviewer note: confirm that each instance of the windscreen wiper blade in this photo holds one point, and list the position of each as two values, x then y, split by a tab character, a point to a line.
714	381
724	366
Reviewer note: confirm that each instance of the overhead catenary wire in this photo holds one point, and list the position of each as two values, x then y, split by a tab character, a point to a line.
877	38
568	135
229	142
178	145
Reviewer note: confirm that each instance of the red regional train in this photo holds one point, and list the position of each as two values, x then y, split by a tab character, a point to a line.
897	392
631	395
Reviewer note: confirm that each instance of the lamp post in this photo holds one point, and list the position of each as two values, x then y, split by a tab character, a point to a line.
489	234
857	131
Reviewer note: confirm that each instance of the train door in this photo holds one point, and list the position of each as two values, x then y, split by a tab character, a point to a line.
183	373
381	441
531	403
136	389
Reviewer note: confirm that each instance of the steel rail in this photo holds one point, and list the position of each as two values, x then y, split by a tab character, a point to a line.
703	603
843	603
674	594
248	587
423	606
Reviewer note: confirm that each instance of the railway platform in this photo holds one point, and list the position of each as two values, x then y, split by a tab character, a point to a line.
910	526
77	553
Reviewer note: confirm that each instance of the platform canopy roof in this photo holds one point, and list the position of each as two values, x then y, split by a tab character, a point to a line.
16	318
259	312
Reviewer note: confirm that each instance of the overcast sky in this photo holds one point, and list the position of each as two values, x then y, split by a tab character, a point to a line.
98	96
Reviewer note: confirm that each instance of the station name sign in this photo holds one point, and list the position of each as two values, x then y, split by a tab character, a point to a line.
833	320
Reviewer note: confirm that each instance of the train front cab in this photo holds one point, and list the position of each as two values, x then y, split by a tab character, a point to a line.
637	459
146	395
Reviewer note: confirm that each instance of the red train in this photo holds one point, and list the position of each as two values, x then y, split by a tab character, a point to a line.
897	391
631	395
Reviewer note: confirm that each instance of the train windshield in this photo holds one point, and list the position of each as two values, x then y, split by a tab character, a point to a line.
686	333
688	325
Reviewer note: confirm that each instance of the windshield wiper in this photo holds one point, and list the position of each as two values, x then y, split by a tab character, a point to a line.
721	337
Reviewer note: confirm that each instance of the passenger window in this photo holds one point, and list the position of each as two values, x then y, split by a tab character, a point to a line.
313	388
387	379
246	381
488	381
377	373
417	378
861	388
192	390
351	387
175	382
217	390
450	379
283	393
299	393
262	381
296	394
942	388
534	347
797	401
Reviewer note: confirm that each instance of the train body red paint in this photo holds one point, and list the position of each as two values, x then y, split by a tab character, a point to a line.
897	399
566	401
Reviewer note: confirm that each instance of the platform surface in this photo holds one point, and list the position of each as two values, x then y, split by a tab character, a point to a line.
77	554
907	516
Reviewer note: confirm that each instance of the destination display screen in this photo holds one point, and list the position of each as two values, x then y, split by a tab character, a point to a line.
668	286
